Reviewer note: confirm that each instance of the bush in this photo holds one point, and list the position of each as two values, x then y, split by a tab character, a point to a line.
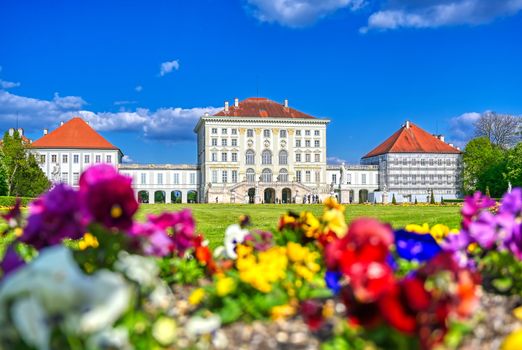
9	201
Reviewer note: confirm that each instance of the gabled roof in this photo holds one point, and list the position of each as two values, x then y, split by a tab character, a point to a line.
262	108
412	139
75	133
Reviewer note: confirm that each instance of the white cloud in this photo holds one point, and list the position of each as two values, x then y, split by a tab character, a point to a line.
121	103
8	84
166	124
127	159
169	66
462	128
138	88
335	160
298	13
436	13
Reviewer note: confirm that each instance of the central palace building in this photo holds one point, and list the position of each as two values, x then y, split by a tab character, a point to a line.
261	151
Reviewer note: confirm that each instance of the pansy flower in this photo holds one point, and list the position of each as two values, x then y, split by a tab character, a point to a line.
414	246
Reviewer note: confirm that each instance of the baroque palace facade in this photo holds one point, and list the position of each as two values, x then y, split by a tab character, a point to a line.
261	151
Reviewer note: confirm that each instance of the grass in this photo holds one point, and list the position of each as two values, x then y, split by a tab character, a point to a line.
212	219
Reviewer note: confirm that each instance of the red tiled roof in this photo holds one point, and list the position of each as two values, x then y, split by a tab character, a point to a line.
75	133
412	139
262	108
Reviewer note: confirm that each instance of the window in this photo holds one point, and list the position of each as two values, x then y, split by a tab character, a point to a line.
307	157
224	131
317	158
298	157
175	180
214	176
448	162
98	158
266	157
316	143
143	178
250	175
423	162
297	143
42	158
307	143
214	157
214	130
439	162
192	178
334	179
108	159
234	142
76	159
224	157
414	162
65	158
308	176
307	132
282	134
266	175
283	157
316	132
234	157
224	176
431	162
298	133
283	175
86	159
414	179
234	176
76	179
440	179
223	142
363	179
266	133
250	133
65	178
160	179
423	179
233	131
249	157
317	176
53	158
405	179
432	179
448	178
214	142
405	161
298	176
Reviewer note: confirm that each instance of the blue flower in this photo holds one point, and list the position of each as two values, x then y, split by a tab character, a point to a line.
332	279
415	246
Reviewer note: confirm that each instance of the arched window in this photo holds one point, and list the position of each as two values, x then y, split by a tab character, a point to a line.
283	175
283	157
250	157
266	157
266	175
251	175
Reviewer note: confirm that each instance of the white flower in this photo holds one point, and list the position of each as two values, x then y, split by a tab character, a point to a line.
198	325
164	331
29	318
234	235
114	338
137	268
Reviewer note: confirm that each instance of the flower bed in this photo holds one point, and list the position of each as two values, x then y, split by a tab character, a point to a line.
80	272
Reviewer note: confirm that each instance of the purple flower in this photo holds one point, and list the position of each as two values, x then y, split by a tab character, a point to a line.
457	245
11	261
483	230
473	205
54	216
157	243
512	202
415	246
14	215
261	240
108	196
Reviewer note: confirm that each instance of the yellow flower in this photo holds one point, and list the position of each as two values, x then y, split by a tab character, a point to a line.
282	311
513	341
424	228
331	203
225	285
310	224
164	331
439	232
88	240
335	222
296	252
196	297
18	232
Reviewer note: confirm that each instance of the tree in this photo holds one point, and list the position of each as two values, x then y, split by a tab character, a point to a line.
501	129
3	181
488	193
394	201
513	172
432	198
23	174
416	202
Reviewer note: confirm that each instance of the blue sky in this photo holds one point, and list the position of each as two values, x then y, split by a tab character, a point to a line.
142	72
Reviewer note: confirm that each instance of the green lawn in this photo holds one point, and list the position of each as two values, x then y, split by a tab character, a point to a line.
212	219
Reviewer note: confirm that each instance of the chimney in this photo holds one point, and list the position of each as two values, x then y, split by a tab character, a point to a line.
226	106
407	124
236	102
11	131
46	131
441	137
206	114
61	123
286	103
451	145
20	131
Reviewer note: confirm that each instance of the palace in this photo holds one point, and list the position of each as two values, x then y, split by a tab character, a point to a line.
261	151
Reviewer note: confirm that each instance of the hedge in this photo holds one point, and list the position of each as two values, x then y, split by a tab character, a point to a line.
9	201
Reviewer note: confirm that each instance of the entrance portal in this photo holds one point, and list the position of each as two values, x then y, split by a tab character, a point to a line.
269	196
286	196
251	195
